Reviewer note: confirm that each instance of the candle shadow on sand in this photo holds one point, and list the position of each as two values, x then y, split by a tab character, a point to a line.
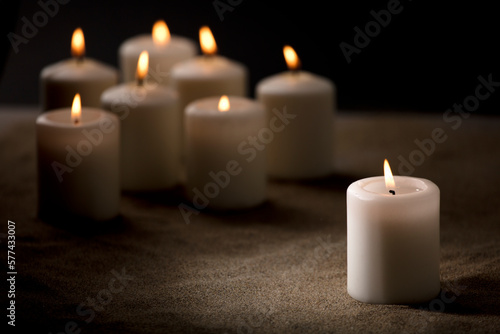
269	213
167	197
86	227
337	182
277	211
272	212
474	295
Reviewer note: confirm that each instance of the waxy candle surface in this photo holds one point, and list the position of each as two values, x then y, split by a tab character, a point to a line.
304	149
150	135
208	75
78	164
393	240
161	57
220	173
60	82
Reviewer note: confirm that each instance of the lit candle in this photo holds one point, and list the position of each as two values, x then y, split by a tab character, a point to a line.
304	148
218	175
164	51
393	239
208	75
78	162
61	81
150	131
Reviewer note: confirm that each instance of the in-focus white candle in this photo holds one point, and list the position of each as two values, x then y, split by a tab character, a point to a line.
60	82
304	149
78	163
164	50
218	174
150	131
393	240
208	75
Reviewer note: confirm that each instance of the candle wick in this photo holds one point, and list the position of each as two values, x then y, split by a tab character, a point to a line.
392	192
77	121
140	82
79	59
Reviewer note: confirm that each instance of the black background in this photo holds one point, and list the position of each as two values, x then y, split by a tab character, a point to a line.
426	59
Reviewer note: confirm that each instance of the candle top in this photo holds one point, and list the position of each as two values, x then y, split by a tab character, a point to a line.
146	95
238	105
176	45
61	118
75	70
208	66
295	82
373	188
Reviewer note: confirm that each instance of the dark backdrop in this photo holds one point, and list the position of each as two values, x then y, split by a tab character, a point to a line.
427	58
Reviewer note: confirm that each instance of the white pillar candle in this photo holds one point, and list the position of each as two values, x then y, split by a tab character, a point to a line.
304	149
220	174
393	240
60	82
78	163
150	131
164	51
208	75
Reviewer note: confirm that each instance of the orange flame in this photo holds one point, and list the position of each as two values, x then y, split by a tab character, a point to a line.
76	109
207	41
224	103
142	65
78	43
291	58
161	34
389	179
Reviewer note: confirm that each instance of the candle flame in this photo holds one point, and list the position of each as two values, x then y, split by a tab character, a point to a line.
142	65
207	41
76	109
291	58
224	103
161	34
78	43
389	179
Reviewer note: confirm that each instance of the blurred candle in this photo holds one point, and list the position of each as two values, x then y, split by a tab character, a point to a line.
78	162
60	82
208	75
218	175
393	239
164	51
151	131
304	149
